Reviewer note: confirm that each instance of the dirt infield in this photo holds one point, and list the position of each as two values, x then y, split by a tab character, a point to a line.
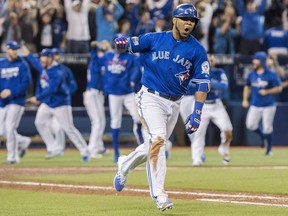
7	173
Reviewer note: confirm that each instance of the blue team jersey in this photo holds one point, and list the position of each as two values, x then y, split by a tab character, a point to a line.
120	70
94	75
16	76
219	83
276	37
266	80
54	88
179	61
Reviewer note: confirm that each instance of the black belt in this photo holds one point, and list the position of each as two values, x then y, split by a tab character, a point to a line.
168	97
210	101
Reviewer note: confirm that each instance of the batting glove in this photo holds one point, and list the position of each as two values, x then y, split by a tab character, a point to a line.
121	43
194	119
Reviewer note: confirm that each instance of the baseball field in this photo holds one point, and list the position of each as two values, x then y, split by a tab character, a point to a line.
252	184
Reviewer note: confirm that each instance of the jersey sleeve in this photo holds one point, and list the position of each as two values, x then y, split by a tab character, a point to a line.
73	86
201	67
35	62
141	43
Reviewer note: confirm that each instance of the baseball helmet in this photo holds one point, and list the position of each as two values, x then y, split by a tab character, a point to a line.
186	10
46	52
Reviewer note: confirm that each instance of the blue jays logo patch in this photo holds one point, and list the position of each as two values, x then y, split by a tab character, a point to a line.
182	76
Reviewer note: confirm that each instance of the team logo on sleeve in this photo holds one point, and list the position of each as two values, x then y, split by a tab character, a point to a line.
135	40
205	67
182	76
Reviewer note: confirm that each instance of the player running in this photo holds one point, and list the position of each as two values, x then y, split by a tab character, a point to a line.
261	87
56	102
171	60
214	111
15	80
120	74
93	99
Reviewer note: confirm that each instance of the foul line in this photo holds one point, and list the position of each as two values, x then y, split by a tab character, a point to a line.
107	188
243	202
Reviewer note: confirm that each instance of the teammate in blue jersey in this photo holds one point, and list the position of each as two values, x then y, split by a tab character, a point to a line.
261	87
15	80
214	111
120	75
171	60
93	99
276	38
58	132
56	102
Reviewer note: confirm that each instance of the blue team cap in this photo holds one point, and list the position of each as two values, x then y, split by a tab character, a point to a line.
260	56
12	45
46	52
57	51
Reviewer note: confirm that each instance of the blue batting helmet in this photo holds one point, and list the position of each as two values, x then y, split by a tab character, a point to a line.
186	10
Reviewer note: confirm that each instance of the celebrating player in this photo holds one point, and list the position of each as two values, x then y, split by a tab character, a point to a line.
15	79
261	86
171	60
93	99
214	111
56	102
120	73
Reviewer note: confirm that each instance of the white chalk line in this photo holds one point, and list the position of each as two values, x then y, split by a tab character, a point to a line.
243	202
107	188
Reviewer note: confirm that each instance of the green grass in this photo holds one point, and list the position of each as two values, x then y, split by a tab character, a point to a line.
30	203
250	171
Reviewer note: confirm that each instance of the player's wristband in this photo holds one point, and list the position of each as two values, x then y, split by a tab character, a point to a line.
198	107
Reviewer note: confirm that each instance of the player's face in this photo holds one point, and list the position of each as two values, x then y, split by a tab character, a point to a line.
46	61
182	27
56	58
12	54
256	64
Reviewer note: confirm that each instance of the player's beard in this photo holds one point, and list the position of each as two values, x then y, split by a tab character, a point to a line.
256	67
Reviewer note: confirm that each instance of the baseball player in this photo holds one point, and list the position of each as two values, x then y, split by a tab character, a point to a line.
56	101
261	87
120	73
214	111
15	80
57	130
172	59
93	99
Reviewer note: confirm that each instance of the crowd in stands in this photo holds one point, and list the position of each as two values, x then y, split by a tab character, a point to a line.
225	27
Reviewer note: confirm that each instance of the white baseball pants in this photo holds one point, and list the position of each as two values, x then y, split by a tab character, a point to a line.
159	116
116	103
256	114
64	115
94	104
186	109
219	116
10	117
